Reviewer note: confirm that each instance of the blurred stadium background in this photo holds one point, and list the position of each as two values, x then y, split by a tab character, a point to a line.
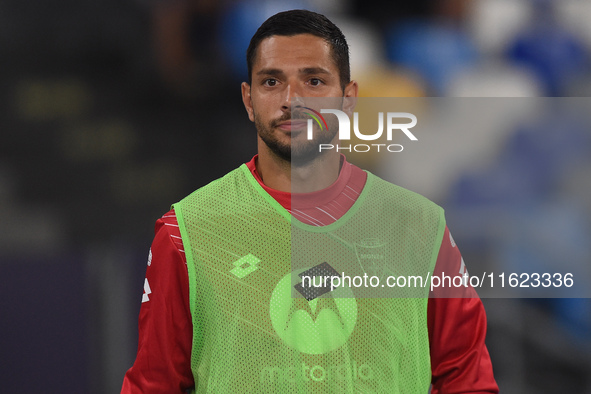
111	111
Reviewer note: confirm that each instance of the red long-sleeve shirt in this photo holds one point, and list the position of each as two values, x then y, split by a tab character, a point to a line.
460	362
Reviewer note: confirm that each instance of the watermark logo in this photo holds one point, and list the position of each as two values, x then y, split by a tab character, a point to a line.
317	117
388	124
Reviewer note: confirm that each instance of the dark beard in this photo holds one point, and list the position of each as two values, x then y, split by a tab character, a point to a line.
302	154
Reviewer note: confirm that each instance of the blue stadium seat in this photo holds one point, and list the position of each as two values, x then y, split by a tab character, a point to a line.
555	54
239	24
436	51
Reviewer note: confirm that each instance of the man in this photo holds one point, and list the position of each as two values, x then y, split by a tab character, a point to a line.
220	317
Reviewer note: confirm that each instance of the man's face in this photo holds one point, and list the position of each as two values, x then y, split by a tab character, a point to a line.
286	69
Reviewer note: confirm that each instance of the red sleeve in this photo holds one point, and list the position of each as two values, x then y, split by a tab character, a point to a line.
460	362
163	361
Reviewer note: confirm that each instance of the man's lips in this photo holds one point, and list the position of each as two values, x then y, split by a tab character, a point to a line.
293	125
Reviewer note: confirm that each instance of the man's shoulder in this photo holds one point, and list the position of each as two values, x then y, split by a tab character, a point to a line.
218	187
399	195
415	212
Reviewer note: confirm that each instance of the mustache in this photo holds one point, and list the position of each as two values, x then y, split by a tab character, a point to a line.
289	116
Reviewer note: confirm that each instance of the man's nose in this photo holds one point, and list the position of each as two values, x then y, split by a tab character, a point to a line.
293	96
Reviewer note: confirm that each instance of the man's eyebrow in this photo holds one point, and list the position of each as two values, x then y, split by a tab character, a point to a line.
270	71
314	70
305	71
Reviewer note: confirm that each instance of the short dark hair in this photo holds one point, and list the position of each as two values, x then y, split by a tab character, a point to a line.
294	22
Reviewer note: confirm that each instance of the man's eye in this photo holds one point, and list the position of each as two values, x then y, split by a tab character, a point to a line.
270	82
315	81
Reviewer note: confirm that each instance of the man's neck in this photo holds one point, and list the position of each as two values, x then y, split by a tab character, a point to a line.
281	175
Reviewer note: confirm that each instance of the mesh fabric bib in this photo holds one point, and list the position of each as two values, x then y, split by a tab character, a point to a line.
245	257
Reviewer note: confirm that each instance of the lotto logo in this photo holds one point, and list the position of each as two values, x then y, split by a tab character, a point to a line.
245	265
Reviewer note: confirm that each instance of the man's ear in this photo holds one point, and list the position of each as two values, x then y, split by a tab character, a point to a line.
350	94
247	100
